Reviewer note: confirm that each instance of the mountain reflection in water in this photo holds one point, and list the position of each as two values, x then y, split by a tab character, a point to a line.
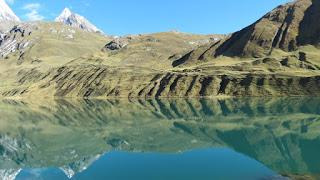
270	136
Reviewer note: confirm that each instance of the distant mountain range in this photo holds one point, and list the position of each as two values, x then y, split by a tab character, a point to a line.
278	55
66	17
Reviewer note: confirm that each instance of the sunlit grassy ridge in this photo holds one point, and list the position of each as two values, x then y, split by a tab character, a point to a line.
51	47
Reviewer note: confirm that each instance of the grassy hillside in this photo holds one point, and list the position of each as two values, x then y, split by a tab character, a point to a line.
272	57
35	52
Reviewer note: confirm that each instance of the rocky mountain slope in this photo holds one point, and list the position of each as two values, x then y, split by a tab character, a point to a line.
75	20
282	28
36	51
276	56
287	27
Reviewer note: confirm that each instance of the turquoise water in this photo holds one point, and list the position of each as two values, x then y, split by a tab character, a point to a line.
197	164
185	139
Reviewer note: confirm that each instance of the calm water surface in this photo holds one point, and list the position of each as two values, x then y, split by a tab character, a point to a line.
228	139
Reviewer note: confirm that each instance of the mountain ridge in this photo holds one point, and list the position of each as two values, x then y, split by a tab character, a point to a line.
286	27
279	28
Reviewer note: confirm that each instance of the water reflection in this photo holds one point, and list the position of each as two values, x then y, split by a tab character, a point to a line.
283	133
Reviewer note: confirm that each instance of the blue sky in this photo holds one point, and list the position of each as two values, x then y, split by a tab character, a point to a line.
120	17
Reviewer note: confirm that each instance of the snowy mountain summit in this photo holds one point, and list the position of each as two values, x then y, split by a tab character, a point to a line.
6	14
75	20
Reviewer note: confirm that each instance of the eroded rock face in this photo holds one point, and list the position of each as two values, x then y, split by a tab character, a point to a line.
15	40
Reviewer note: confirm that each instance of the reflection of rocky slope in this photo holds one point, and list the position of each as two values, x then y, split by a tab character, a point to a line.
79	166
9	174
281	133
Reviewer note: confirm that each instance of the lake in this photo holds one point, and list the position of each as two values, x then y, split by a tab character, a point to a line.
178	139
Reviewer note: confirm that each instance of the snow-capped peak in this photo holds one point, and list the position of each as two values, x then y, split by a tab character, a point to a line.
65	13
75	20
6	14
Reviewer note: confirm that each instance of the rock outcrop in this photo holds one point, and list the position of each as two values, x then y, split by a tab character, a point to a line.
15	40
116	44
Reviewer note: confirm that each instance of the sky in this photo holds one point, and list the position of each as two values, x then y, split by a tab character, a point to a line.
122	17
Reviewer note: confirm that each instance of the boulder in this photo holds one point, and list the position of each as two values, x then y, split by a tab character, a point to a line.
116	44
